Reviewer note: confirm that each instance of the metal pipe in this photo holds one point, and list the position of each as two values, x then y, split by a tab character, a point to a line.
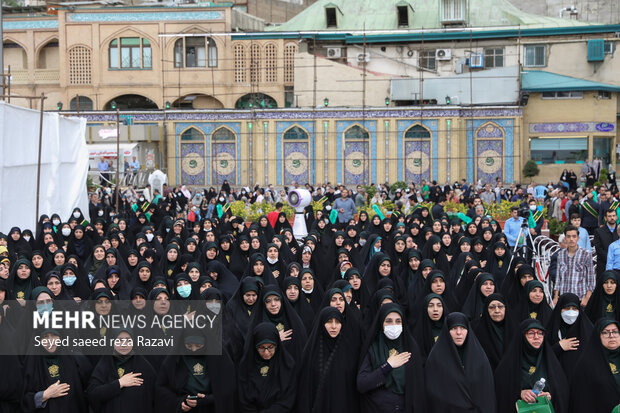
39	155
118	155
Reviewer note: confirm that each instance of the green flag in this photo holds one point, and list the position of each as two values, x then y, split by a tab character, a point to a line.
375	207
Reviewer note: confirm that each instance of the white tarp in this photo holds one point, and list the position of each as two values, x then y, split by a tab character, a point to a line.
64	166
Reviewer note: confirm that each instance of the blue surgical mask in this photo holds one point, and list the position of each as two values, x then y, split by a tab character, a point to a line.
45	308
376	249
69	280
184	290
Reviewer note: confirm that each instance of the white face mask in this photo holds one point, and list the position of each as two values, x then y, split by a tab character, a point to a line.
532	207
307	291
362	242
66	231
56	222
214	307
393	332
272	260
100	213
76	214
570	316
149	237
27	238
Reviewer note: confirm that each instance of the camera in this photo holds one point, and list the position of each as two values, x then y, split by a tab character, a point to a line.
524	212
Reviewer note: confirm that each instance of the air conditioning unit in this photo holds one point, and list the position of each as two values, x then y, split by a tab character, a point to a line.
334	52
363	57
476	61
443	54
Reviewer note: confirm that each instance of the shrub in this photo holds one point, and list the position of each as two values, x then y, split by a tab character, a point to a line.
530	169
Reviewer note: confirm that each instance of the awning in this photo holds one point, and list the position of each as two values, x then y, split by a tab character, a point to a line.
97	150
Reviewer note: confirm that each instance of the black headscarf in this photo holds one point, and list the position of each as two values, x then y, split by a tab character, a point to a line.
459	379
329	368
602	304
426	331
240	311
595	385
407	379
266	384
523	365
558	329
474	303
528	309
494	337
301	305
498	265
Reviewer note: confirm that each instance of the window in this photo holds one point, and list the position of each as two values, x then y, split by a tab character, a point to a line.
575	94
609	47
535	55
330	17
494	57
558	150
271	63
452	11
130	53
255	75
81	103
403	16
417	132
192	134
191	52
289	62
427	59
604	94
356	133
295	133
223	134
79	66
240	72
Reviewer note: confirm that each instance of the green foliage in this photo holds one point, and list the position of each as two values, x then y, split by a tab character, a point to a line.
455	207
371	190
556	227
602	179
530	169
398	185
90	185
254	211
238	209
388	205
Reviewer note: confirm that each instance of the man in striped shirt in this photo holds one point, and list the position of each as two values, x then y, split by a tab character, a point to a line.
575	269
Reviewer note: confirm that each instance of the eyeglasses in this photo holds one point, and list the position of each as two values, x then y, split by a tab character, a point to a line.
532	334
610	334
497	307
266	349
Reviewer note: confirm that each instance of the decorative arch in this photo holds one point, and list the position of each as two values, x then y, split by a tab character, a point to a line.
132	102
197	101
80	65
192	149
81	103
296	154
195	51
48	55
489	162
417	150
15	54
256	101
356	154
223	155
290	49
239	63
271	62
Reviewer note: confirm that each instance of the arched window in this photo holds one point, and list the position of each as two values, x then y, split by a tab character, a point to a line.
289	62
130	53
195	52
240	63
295	133
356	133
81	103
223	134
417	132
192	134
48	56
256	101
271	63
15	56
255	75
79	66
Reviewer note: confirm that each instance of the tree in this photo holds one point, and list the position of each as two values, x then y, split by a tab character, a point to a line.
530	169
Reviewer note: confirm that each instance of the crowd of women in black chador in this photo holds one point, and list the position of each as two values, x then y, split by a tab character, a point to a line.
409	313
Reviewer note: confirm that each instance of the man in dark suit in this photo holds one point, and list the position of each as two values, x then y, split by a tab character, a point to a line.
603	237
590	212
